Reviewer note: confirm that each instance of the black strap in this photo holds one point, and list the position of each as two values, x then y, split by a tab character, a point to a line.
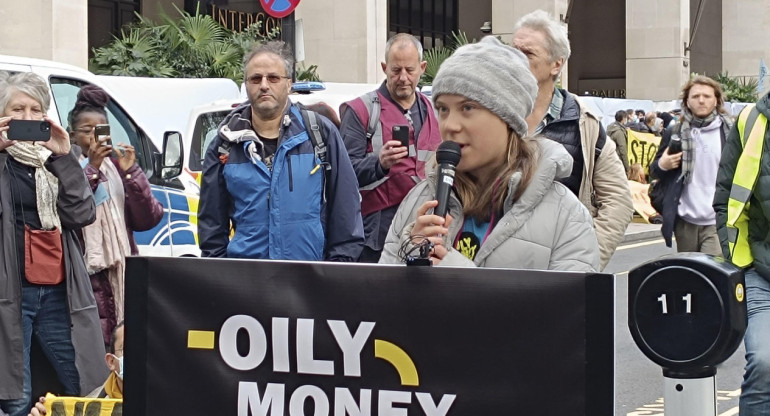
319	144
310	118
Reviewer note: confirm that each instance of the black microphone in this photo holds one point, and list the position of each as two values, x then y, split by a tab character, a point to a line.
447	156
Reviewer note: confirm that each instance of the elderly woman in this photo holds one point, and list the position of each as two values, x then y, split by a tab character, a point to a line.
44	287
506	210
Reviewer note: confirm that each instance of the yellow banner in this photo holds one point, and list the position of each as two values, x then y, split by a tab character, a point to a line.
642	148
81	406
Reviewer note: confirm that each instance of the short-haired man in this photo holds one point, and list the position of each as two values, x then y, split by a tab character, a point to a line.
597	177
263	175
386	168
744	162
619	134
689	172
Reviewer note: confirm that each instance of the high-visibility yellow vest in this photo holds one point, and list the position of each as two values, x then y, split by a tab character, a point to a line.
746	174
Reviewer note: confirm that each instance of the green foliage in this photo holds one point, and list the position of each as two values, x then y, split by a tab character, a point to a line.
738	89
436	56
190	46
307	74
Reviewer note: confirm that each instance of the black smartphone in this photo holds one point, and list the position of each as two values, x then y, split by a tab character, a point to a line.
675	145
29	130
401	133
102	130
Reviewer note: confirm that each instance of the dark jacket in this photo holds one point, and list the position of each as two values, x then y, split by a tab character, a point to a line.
759	204
566	130
289	212
619	134
76	209
142	212
670	179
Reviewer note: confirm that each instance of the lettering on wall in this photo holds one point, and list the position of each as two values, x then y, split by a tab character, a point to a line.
609	93
238	21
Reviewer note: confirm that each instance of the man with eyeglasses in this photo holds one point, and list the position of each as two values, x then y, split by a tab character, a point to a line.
389	164
262	176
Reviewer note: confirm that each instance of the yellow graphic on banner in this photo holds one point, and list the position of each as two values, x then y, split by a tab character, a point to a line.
79	406
399	359
203	340
642	148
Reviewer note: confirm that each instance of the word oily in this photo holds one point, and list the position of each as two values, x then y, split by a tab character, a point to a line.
275	397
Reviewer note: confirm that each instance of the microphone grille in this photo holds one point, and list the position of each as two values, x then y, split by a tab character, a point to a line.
448	153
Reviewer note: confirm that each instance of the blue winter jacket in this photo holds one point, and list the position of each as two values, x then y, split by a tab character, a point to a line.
290	213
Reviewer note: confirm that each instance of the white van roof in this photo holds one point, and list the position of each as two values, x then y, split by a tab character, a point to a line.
164	104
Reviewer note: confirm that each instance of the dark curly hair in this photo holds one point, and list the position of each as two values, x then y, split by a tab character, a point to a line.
90	99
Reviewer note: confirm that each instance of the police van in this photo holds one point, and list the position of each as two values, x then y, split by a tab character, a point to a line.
176	234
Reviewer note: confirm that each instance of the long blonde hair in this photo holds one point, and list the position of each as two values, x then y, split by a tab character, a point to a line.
481	197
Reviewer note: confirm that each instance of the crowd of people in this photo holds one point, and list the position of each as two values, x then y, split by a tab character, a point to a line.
539	185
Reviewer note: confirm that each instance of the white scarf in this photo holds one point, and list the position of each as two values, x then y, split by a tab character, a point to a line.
106	239
46	184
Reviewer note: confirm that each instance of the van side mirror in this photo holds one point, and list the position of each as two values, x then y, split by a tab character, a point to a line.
169	164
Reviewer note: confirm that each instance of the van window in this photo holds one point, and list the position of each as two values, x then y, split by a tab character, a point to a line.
122	129
204	132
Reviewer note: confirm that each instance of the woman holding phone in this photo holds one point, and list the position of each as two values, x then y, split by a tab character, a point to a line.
44	286
124	203
507	209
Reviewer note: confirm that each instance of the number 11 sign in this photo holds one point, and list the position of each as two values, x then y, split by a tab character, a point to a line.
684	311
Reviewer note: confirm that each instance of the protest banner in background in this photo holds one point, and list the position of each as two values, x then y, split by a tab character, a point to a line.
642	148
240	337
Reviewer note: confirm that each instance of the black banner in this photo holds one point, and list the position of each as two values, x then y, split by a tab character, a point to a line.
235	337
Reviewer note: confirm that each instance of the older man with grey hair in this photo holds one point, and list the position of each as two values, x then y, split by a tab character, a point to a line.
389	134
598	177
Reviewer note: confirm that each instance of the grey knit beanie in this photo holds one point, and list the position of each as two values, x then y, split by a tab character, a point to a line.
493	74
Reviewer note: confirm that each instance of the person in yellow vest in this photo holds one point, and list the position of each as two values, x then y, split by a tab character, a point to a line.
742	205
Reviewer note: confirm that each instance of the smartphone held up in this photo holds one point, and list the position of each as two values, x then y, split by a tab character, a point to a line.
401	133
29	130
101	131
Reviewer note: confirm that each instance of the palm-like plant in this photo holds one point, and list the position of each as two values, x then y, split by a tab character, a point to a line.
738	89
436	56
191	46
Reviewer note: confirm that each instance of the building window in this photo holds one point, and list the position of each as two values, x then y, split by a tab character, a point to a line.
431	21
107	17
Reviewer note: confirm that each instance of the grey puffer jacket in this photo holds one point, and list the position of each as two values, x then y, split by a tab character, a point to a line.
546	229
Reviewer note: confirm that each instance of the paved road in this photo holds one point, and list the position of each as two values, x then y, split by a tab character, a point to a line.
639	381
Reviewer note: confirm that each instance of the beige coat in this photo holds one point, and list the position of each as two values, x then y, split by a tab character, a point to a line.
612	208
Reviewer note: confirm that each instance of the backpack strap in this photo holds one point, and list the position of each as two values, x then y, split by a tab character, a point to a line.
310	118
374	129
372	101
314	131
